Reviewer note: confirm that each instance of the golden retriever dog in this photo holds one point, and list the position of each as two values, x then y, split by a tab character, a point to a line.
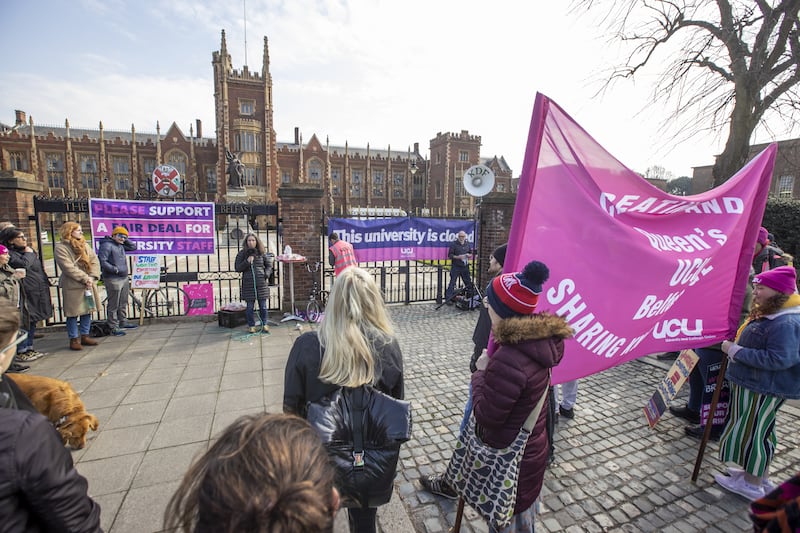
56	400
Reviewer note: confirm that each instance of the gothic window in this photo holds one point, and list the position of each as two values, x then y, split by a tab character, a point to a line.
247	107
148	166
122	172
438	187
19	161
252	176
336	182
463	156
178	160
377	183
438	158
55	169
89	172
246	141
460	190
398	184
211	179
785	186
501	187
286	176
315	171
419	186
357	183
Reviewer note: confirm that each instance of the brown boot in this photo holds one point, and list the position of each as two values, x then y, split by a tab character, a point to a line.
86	340
75	344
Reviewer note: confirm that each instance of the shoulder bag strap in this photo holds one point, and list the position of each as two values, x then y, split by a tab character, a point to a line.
534	416
358	429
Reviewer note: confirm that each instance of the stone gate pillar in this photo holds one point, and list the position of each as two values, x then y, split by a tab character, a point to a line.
301	222
496	211
17	190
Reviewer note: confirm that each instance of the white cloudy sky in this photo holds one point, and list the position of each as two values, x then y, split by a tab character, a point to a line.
364	71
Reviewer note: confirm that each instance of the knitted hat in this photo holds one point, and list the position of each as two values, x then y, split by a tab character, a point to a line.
517	293
782	279
118	230
763	236
3	250
499	254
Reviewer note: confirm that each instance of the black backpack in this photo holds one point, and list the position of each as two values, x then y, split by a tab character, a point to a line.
100	328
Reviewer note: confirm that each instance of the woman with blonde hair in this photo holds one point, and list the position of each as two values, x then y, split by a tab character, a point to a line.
80	270
265	473
355	345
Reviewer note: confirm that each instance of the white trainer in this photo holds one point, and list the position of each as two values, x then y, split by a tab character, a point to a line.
739	486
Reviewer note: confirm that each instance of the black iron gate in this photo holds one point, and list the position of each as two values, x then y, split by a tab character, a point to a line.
233	222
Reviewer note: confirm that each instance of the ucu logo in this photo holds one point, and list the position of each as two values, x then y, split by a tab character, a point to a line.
678	328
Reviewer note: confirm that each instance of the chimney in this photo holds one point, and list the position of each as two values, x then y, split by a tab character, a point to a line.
296	135
199	128
21	121
416	148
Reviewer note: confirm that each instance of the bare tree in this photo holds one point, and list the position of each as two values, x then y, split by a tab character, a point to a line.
657	172
731	62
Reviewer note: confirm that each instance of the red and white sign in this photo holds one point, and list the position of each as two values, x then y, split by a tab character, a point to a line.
166	180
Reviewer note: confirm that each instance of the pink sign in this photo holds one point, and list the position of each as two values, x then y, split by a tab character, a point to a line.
199	299
634	270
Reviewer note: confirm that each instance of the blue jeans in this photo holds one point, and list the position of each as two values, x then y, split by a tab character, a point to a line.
262	312
467	410
28	344
457	272
72	326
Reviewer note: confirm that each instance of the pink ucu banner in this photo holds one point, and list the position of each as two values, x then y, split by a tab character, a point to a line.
634	270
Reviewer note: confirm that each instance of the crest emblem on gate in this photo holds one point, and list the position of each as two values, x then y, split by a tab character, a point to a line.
166	180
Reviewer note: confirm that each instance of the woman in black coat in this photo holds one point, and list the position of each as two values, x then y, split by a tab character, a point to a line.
256	267
40	490
36	302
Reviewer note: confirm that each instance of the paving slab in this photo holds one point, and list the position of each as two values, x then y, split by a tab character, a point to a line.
163	392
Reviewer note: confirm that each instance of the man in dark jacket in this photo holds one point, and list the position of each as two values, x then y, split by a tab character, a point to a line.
458	254
114	266
40	490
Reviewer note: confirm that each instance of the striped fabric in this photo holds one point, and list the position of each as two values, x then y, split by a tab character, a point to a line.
749	438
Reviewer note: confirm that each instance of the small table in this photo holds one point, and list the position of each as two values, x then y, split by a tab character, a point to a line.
288	260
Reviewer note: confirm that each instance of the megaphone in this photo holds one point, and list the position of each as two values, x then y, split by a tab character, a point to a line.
479	180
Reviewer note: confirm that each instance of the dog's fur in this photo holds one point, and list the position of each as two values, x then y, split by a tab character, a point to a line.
56	400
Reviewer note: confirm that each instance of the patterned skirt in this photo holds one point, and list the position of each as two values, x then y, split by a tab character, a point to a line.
749	438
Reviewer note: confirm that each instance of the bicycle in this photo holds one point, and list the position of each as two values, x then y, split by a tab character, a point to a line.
159	302
317	299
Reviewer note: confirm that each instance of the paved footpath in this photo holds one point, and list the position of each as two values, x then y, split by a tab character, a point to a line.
163	391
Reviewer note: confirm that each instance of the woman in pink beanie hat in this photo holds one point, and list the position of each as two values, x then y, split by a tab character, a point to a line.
764	371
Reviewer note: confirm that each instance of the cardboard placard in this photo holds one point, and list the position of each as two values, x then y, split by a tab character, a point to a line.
669	386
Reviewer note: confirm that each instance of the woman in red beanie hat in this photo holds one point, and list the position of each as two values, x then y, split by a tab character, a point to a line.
764	371
507	386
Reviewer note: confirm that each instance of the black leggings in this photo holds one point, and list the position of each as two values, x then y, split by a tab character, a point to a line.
362	519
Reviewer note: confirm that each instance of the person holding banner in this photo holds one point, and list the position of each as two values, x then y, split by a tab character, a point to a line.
458	253
763	371
509	384
80	271
256	266
114	267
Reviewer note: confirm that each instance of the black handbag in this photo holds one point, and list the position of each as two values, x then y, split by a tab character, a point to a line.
362	429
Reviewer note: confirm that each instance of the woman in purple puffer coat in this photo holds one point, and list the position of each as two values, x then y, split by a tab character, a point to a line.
508	385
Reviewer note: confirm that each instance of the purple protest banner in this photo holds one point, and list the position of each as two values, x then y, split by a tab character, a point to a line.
157	228
401	238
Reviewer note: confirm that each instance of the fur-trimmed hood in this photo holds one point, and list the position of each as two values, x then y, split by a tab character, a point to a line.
518	329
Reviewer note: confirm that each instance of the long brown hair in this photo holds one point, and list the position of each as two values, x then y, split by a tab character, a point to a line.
78	244
265	473
773	304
